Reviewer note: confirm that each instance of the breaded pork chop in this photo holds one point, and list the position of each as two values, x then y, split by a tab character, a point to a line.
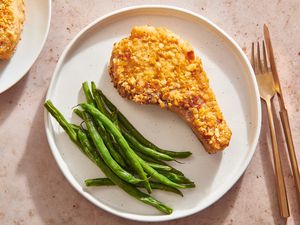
155	66
11	25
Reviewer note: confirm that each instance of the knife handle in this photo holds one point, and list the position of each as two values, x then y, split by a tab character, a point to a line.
290	145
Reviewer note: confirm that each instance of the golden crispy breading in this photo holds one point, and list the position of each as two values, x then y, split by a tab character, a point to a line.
154	66
11	24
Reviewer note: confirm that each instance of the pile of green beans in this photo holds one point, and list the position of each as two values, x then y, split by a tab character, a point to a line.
122	153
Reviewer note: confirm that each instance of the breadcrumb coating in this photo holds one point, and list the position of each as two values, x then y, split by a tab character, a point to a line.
11	24
155	66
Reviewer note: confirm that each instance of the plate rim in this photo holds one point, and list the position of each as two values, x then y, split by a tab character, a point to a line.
62	165
37	53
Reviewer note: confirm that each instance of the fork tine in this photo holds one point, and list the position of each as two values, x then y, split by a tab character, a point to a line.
252	57
265	57
258	57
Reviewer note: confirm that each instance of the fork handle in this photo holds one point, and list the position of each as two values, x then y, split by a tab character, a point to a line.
281	190
290	145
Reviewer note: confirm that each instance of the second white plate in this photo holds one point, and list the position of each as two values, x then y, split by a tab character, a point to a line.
33	37
231	77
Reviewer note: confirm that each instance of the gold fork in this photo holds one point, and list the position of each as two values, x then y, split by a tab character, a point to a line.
267	91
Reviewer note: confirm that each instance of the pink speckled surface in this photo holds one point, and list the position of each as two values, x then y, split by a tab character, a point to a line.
33	190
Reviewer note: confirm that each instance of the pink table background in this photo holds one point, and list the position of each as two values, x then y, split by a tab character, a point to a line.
32	188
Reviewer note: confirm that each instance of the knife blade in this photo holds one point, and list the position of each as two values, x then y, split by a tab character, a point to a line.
273	66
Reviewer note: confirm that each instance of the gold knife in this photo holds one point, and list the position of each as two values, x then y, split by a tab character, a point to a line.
283	112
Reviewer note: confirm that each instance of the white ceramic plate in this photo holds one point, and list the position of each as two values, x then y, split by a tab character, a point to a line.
33	37
231	77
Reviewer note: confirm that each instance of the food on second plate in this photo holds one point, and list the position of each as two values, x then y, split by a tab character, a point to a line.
155	66
11	24
126	158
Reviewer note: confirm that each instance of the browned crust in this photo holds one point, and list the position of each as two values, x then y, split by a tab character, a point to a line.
143	71
12	16
205	142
